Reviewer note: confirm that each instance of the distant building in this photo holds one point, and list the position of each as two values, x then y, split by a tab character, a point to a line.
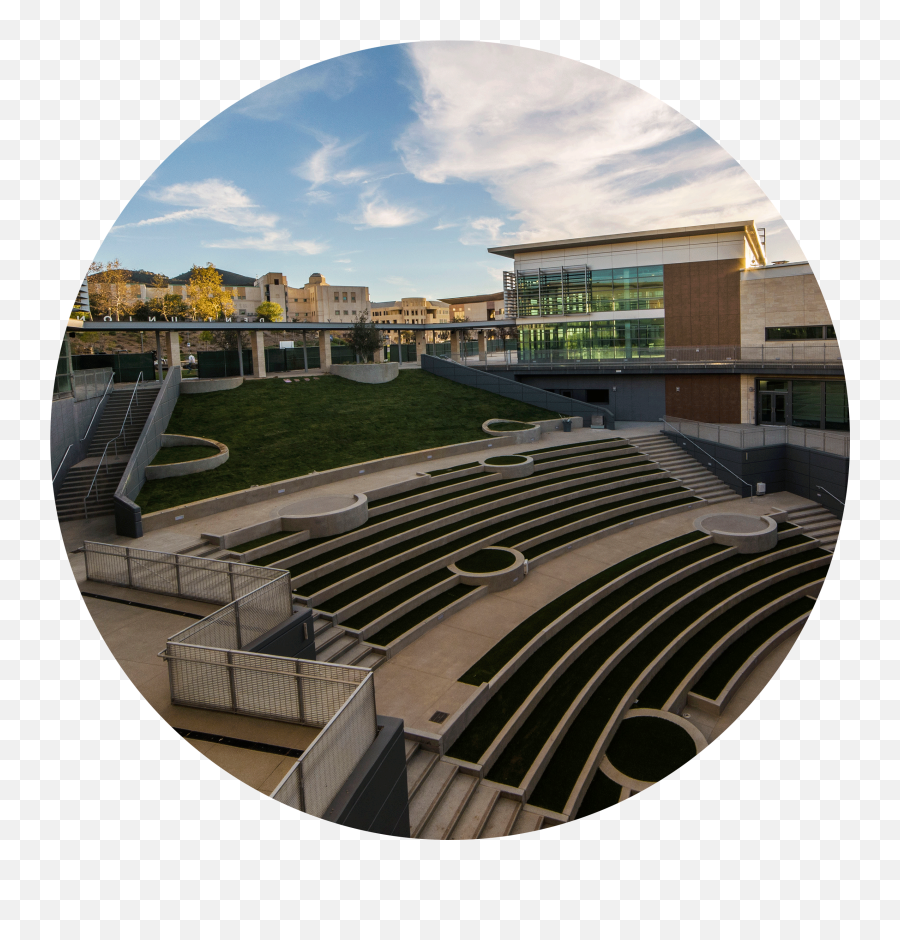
411	310
316	301
477	308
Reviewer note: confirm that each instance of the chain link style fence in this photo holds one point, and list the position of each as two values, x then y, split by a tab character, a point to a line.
316	779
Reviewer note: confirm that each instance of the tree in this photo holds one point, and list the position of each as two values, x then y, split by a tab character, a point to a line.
206	297
270	311
364	339
464	335
108	288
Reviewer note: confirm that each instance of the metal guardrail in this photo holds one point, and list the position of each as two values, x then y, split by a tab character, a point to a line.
829	442
208	669
707	454
89	383
821	489
316	779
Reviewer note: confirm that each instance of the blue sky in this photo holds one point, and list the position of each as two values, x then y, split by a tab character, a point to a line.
397	167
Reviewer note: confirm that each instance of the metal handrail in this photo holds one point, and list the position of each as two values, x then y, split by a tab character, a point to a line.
60	465
822	488
702	451
115	442
97	409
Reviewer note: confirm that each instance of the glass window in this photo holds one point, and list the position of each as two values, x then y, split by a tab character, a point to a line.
769	385
600	339
829	333
601	291
795	333
625	288
837	411
650	287
345	296
806	404
337	296
353	296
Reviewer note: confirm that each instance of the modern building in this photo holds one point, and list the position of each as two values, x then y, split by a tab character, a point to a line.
418	310
629	313
478	307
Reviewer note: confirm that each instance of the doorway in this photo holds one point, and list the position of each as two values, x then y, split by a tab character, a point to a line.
773	408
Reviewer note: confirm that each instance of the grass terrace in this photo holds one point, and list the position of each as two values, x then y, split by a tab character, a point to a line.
276	430
168	455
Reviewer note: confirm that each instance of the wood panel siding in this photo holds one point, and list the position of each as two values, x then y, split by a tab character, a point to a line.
712	398
703	303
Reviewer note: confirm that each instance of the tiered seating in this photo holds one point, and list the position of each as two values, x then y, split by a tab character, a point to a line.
390	576
565	691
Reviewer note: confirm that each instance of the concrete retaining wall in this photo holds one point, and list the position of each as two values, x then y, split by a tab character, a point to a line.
186	467
202	386
369	373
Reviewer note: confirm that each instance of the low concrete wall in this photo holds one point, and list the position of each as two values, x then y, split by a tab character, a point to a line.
508	471
186	467
748	534
322	516
202	386
495	580
369	373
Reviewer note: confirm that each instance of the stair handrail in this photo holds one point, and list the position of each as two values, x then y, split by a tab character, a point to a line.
114	441
61	463
822	488
97	408
702	451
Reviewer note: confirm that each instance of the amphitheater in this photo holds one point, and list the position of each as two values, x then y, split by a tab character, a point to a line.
618	639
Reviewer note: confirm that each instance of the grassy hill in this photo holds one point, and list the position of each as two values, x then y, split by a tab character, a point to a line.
275	430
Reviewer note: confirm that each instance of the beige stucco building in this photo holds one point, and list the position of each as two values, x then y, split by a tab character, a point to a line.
783	303
411	310
477	308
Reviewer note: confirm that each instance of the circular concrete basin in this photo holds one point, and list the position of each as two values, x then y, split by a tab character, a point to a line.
325	515
748	534
498	568
509	466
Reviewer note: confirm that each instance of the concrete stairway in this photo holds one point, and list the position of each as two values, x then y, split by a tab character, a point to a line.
447	804
334	645
70	499
817	522
687	470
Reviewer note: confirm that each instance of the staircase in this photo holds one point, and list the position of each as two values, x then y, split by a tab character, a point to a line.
684	468
70	499
335	645
445	803
818	523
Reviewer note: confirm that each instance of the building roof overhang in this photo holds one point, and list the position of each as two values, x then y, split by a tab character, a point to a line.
747	228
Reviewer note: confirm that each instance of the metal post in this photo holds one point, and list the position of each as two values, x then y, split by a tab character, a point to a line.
159	363
178	576
400	346
237	624
240	354
300	712
128	565
305	360
231	684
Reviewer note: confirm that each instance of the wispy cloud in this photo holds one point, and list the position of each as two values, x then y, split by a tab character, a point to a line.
322	167
567	149
375	210
220	201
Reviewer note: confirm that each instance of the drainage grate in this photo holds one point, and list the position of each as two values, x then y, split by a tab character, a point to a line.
439	718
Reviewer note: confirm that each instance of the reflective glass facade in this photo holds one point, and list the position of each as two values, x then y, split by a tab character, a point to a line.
596	339
579	290
807	404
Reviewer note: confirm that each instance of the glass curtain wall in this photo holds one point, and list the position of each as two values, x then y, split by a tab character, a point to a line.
809	404
597	339
578	290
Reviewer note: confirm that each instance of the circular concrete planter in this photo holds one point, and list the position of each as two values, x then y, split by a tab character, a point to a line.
513	571
325	515
748	534
369	373
201	386
523	466
527	435
692	737
187	467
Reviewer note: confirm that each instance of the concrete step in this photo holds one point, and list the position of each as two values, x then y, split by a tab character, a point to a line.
429	794
335	648
526	822
417	769
475	814
449	808
371	659
502	819
411	748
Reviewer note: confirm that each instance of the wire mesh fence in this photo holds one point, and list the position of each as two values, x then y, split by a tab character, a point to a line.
316	779
90	383
259	685
830	442
202	579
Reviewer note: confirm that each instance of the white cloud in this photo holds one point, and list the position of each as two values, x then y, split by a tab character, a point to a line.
217	200
320	168
567	149
376	211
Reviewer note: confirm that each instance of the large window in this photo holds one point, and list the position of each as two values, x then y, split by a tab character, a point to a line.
596	339
804	403
799	333
578	290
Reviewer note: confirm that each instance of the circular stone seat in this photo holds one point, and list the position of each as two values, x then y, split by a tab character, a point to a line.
748	534
509	466
650	745
497	567
325	515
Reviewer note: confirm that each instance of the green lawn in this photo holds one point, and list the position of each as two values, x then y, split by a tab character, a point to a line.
276	430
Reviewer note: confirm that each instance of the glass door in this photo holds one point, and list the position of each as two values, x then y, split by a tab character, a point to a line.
773	407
